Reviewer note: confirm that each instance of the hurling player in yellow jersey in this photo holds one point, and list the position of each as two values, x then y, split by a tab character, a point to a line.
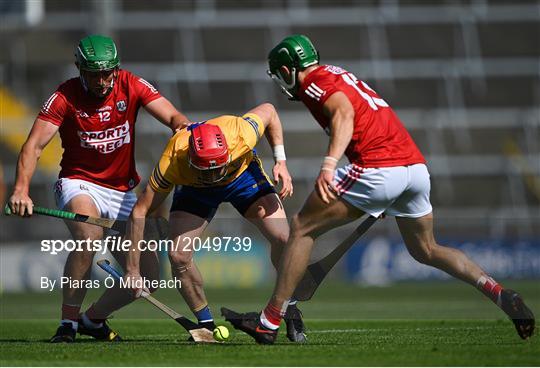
210	163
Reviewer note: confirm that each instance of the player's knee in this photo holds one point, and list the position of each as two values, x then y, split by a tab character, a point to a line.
304	226
283	239
180	259
298	225
81	231
423	254
280	240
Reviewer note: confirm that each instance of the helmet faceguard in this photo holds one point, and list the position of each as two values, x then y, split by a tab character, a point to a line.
209	153
295	52
288	89
97	56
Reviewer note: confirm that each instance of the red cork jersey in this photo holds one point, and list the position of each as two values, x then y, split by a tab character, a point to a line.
98	135
379	138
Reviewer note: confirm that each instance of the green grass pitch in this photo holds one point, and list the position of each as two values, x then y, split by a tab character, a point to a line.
410	324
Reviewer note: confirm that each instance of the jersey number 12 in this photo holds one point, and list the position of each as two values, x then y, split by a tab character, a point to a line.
104	116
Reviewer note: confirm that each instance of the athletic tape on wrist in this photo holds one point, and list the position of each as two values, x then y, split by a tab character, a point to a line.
279	153
329	163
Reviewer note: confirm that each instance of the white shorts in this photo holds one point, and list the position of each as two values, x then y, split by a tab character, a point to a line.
110	203
401	191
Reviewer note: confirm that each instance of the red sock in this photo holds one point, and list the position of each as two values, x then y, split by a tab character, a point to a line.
271	317
70	312
491	288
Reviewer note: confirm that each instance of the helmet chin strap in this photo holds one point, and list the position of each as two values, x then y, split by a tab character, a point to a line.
112	85
83	82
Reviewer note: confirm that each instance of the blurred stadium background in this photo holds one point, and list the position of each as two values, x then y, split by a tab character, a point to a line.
464	76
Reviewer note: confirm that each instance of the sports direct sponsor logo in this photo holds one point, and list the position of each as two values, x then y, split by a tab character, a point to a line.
108	140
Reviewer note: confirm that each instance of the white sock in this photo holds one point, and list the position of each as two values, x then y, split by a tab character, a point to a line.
74	324
88	322
293	301
266	323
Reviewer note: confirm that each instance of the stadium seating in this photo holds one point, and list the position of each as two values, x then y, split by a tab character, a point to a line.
463	76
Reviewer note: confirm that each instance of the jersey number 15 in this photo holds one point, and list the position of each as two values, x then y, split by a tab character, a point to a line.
374	102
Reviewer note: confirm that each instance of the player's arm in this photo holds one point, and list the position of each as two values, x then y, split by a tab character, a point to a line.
158	188
340	111
146	203
274	134
41	134
164	111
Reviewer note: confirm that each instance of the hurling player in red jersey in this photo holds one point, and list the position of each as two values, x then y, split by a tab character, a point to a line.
386	174
95	115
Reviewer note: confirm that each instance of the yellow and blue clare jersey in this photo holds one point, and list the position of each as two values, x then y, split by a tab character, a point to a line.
242	135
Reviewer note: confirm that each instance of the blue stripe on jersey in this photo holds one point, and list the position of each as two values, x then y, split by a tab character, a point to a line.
255	126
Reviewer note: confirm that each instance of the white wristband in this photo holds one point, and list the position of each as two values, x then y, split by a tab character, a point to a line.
279	153
330	158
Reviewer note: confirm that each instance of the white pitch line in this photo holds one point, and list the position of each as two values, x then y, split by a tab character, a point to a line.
347	330
393	329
